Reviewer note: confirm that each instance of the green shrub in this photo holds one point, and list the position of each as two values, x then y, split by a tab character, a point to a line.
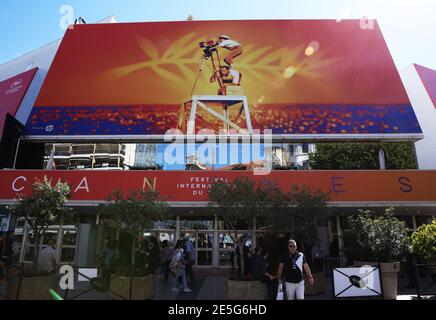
382	239
424	242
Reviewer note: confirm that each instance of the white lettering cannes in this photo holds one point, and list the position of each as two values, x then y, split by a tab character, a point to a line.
15	181
82	185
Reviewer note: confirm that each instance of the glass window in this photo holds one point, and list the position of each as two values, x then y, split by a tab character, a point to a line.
408	220
30	237
4	222
226	258
69	237
50	235
345	225
196	224
239	225
162	236
205	240
19	223
420	220
312	148
68	255
204	258
225	240
30	251
165	225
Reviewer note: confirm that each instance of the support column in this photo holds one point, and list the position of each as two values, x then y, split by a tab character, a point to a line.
59	241
340	239
247	115
16	153
416	156
191	122
226	116
24	242
381	159
9	221
177	235
83	244
215	246
253	237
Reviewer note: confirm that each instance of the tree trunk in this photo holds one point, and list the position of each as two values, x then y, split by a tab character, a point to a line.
133	253
242	258
36	253
235	258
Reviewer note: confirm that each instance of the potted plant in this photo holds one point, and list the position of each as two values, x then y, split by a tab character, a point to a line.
133	214
382	240
241	201
44	207
424	244
300	212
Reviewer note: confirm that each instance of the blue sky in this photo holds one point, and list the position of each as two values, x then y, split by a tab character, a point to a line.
408	25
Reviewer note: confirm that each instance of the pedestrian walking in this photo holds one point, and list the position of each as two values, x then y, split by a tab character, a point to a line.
291	268
177	267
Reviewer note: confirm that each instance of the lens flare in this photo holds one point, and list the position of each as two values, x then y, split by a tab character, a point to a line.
289	72
312	48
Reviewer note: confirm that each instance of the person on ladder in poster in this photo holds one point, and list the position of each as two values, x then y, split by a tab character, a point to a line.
229	44
228	76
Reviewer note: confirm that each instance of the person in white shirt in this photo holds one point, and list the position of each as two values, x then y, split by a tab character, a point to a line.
177	268
228	76
232	45
47	258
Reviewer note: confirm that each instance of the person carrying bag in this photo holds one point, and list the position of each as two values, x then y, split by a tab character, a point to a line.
177	267
280	292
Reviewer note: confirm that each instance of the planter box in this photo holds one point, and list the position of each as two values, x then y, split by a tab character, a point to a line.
245	290
142	287
32	288
318	284
389	274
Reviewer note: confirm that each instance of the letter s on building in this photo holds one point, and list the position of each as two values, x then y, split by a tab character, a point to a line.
14	187
405	186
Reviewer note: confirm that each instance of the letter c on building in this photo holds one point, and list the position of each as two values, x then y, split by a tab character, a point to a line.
15	181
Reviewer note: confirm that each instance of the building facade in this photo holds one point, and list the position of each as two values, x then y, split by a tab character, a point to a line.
420	84
103	127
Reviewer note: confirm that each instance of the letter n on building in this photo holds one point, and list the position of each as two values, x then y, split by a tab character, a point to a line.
149	183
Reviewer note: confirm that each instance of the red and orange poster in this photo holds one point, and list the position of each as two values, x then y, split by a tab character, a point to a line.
300	77
12	92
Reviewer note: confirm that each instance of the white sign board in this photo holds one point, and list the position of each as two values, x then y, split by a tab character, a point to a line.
88	272
357	282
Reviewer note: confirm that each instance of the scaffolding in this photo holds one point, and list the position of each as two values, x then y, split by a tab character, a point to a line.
205	102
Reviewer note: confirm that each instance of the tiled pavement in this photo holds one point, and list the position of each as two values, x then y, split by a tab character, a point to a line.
211	287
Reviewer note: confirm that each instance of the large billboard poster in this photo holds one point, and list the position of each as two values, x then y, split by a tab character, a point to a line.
312	79
428	78
12	92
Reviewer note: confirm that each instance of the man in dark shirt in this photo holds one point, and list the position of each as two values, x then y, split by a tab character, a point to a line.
291	267
257	264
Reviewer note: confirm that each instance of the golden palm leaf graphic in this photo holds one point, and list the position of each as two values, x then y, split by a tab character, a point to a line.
260	64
